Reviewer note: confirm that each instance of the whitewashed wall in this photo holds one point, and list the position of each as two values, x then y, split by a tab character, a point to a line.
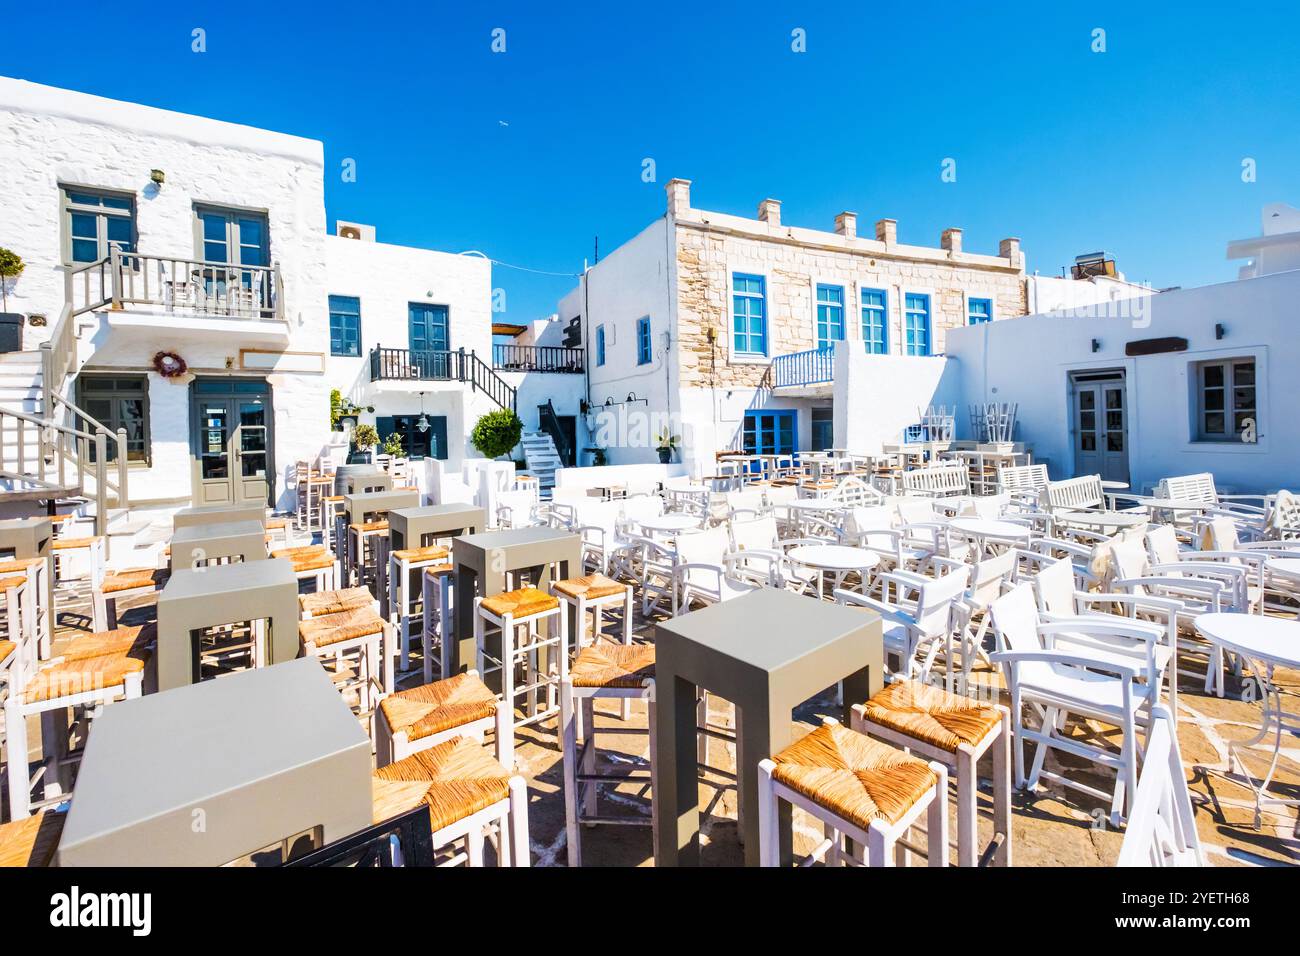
878	396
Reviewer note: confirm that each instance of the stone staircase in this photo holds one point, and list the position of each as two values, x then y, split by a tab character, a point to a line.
542	459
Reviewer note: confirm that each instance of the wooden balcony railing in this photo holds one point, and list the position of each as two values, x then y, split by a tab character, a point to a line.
812	367
192	286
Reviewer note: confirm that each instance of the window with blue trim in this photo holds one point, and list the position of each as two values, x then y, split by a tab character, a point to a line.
643	340
600	345
916	323
979	310
874	318
830	314
748	314
345	325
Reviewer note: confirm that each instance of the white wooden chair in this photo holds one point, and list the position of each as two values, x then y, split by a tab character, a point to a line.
1024	483
937	481
1161	828
707	572
1200	488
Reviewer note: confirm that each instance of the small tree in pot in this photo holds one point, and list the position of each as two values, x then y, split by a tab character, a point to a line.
496	433
666	444
11	267
364	437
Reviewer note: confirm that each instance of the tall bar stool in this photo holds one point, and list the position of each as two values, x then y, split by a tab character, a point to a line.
65	550
402	565
955	731
117	586
438	589
422	717
468	795
622	671
593	593
90	673
312	492
312	562
515	617
362	546
861	790
331	518
35	600
321	603
358	641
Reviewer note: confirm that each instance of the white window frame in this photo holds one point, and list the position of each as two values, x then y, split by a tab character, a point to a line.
1197	377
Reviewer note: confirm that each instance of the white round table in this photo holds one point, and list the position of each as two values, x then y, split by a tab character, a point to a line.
670	524
985	530
1266	642
1101	520
1288	568
837	560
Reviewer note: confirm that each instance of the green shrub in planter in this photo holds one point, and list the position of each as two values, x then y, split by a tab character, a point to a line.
496	433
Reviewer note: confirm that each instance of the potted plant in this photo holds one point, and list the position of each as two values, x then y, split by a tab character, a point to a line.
666	444
598	456
11	267
364	438
336	409
496	433
393	445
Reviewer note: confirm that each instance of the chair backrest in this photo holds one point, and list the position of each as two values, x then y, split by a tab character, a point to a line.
1282	519
989	506
938	481
1199	487
1015	620
988	577
1073	494
1219	534
1162	544
754	534
1022	478
854	491
595	513
750	499
703	547
914	510
520	505
1128	557
1054	588
934	603
1161	830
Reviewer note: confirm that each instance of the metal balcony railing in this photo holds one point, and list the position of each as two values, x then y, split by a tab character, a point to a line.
537	358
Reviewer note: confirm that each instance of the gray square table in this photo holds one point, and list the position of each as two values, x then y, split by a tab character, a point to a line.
30	538
767	652
482	562
358	508
218	514
196	598
204	775
208	542
421	527
355	483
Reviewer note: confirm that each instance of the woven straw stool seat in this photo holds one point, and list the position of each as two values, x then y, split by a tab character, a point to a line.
332	602
68	677
442	705
459	778
133	578
68	544
31	841
276	524
590	587
932	715
19	565
438	570
521	603
433	552
312	562
367	526
853	776
335	498
121	640
613	665
7	648
302	551
343	626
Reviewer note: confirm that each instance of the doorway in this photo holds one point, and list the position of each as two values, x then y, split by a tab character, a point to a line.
232	459
1099	403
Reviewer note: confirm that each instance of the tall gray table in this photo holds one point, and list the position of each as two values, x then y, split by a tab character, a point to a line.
204	775
30	538
356	482
197	598
218	514
767	652
209	542
482	561
356	507
421	527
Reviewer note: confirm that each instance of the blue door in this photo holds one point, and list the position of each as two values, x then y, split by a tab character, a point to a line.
430	341
769	433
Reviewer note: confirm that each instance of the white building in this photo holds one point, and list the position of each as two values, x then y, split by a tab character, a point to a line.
1276	249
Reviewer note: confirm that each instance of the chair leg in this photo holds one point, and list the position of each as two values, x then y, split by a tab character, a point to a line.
967	820
569	744
769	827
519	823
1002	791
15	748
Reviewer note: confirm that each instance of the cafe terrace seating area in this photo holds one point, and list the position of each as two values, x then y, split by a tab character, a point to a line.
929	657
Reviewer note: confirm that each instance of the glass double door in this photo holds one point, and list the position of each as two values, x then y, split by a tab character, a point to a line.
1101	426
232	458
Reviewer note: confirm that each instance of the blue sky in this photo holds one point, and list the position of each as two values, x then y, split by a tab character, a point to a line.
529	154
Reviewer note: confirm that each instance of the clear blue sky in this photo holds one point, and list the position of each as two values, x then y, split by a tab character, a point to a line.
529	154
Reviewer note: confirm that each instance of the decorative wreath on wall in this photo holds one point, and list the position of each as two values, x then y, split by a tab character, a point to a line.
169	365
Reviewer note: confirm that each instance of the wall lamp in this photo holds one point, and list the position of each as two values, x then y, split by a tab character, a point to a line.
1219	330
1096	345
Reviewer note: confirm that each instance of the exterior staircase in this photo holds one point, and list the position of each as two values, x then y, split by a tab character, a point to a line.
542	459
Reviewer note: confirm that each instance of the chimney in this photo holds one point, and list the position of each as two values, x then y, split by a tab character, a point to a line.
846	225
679	196
1010	249
769	211
887	230
951	240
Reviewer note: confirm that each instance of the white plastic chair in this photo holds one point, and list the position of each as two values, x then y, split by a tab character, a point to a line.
1161	828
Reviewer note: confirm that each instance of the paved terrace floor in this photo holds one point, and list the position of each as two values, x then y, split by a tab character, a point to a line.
1055	826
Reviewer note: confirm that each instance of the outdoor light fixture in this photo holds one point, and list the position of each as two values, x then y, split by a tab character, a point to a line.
157	176
422	424
1096	345
1219	330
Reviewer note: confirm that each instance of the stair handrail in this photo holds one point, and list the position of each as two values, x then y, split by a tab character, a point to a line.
52	444
549	422
95	427
482	377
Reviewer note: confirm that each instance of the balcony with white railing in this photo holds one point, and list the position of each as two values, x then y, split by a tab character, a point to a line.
804	369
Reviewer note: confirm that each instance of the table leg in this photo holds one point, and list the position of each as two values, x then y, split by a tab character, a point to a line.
677	794
859	687
762	729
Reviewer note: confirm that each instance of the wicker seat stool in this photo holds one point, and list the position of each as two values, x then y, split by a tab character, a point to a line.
361	550
956	731
360	642
468	794
862	791
117	586
438	593
514	617
333	602
403	564
64	550
622	671
593	593
416	719
35	600
312	563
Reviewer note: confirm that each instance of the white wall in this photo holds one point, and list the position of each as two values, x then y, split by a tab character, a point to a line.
1028	361
878	396
1052	293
